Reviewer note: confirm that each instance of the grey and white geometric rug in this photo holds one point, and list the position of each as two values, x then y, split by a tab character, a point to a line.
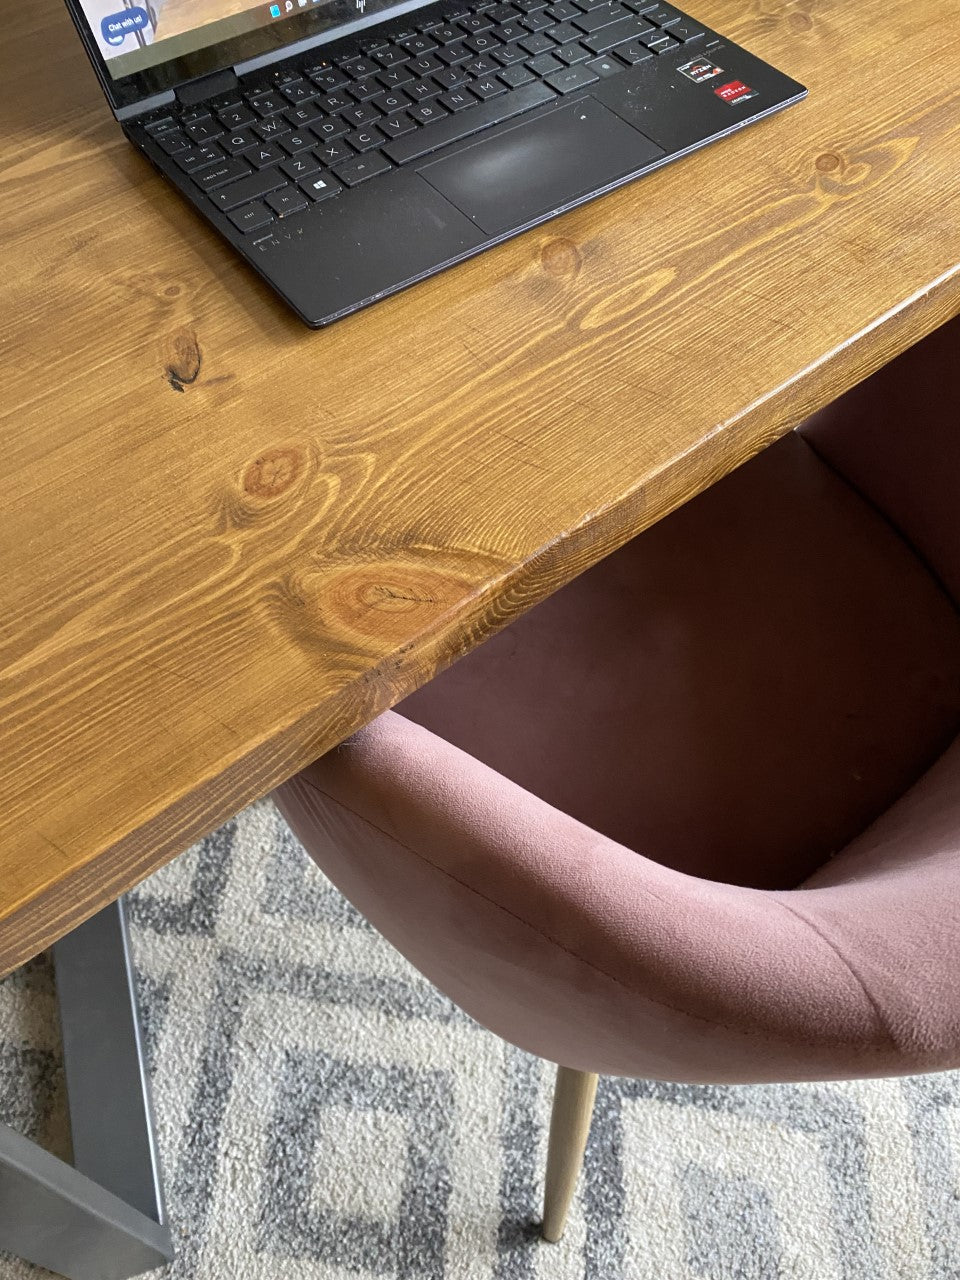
324	1114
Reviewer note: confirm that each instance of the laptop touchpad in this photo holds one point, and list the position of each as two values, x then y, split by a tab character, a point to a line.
539	166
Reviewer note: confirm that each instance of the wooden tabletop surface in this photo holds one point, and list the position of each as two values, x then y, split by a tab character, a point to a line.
227	541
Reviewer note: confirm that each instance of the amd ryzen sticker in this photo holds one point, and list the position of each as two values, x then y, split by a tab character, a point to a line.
700	69
735	91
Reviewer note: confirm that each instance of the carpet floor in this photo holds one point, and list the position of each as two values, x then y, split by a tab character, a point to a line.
324	1114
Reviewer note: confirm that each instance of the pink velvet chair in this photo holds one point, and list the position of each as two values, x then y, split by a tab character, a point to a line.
697	816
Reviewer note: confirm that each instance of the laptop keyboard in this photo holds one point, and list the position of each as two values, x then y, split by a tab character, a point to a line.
313	129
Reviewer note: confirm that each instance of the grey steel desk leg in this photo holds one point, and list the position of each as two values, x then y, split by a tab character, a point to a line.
102	1218
57	1218
111	1119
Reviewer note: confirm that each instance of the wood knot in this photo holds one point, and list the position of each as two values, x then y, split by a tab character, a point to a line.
799	23
560	257
389	601
182	359
828	162
274	471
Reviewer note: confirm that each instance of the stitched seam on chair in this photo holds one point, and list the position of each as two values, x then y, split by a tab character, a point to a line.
871	999
695	1017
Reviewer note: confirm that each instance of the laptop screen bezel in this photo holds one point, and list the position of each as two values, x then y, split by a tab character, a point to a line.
265	44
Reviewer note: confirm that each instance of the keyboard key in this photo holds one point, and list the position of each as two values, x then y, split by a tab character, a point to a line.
332	127
486	42
333	152
686	31
263	155
387	102
289	201
287	77
231	98
545	64
219	175
296	142
396	126
247	189
573	53
204	130
420	90
392	79
268	104
481	67
662	15
451	54
512	31
487	87
362	90
391	56
633	52
251	218
510	55
617	33
302	91
271	128
418	44
572	78
327	78
336	101
356	171
659	42
562	11
236	117
459	99
198	157
360	113
537	44
155	124
445	34
475	23
602	16
427	112
536	21
300	166
451	77
364	139
172	141
320	186
360	68
501	13
564	32
426	65
603	67
300	117
513	77
453	128
238	141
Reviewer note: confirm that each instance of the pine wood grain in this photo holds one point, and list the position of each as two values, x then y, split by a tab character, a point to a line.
227	542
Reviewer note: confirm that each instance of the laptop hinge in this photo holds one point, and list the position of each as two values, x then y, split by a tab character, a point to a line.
206	86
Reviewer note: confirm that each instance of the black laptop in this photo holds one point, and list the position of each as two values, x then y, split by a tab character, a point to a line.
349	148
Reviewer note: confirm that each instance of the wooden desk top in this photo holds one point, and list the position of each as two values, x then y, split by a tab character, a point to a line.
227	541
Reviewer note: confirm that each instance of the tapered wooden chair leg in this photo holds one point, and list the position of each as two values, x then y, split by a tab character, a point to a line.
569	1126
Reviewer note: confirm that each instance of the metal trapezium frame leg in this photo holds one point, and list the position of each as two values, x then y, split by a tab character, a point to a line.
102	1217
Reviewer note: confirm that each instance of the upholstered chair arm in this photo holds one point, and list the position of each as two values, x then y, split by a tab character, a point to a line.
585	952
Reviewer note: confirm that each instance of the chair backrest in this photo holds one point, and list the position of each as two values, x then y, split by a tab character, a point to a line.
896	438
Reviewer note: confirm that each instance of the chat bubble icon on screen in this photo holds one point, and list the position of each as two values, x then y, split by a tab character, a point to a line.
117	26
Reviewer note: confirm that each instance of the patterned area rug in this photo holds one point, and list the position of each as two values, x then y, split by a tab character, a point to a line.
325	1115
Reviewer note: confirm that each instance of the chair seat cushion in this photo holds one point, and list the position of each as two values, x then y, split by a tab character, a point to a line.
737	693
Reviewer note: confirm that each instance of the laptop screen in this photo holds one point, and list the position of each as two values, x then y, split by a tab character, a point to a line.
150	45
